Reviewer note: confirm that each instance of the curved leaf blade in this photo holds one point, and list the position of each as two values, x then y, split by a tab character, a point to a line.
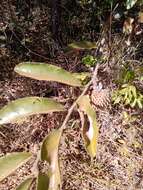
83	45
49	153
25	185
27	106
42	182
11	162
47	72
90	129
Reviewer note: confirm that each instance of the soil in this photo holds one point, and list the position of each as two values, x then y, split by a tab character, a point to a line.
119	160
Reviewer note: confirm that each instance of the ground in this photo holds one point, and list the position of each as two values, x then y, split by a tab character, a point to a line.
119	160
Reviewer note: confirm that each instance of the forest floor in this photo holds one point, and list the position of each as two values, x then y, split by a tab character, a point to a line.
119	161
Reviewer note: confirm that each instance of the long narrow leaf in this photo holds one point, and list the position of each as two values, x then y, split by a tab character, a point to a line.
27	106
42	182
48	72
25	185
83	45
11	162
49	153
90	128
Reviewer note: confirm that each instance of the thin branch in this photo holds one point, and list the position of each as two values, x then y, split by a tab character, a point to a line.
94	77
82	94
73	106
29	50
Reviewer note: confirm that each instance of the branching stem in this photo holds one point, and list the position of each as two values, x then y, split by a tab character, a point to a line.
94	78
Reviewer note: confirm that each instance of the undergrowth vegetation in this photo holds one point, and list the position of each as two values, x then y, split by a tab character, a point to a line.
27	106
95	83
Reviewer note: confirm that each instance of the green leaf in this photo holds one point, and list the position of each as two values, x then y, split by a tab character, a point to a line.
140	104
49	153
127	101
133	91
127	95
47	72
11	162
89	60
82	76
83	45
117	100
25	185
141	78
42	182
128	75
90	128
130	3
27	106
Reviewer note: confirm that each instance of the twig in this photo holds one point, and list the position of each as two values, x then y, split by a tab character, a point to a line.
94	77
82	94
29	50
73	106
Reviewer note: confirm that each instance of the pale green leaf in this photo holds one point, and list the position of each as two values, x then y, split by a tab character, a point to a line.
127	101
42	182
126	95
49	153
83	45
11	162
117	100
47	72
27	106
140	104
25	185
82	76
90	127
133	90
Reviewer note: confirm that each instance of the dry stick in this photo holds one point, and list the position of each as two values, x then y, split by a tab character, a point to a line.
73	106
30	51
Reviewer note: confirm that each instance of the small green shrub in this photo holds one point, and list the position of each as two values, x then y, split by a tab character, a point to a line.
89	61
128	95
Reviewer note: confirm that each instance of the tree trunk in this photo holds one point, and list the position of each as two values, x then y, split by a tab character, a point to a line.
56	21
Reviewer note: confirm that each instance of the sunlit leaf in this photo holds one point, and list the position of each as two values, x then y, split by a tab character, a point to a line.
130	3
90	127
49	153
82	76
25	185
89	60
47	72
140	103
11	162
133	103
127	101
117	99
83	45
28	106
42	182
133	91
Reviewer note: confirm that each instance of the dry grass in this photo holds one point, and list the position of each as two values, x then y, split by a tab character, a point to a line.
118	164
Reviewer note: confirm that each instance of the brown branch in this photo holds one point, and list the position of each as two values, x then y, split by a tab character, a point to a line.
92	81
